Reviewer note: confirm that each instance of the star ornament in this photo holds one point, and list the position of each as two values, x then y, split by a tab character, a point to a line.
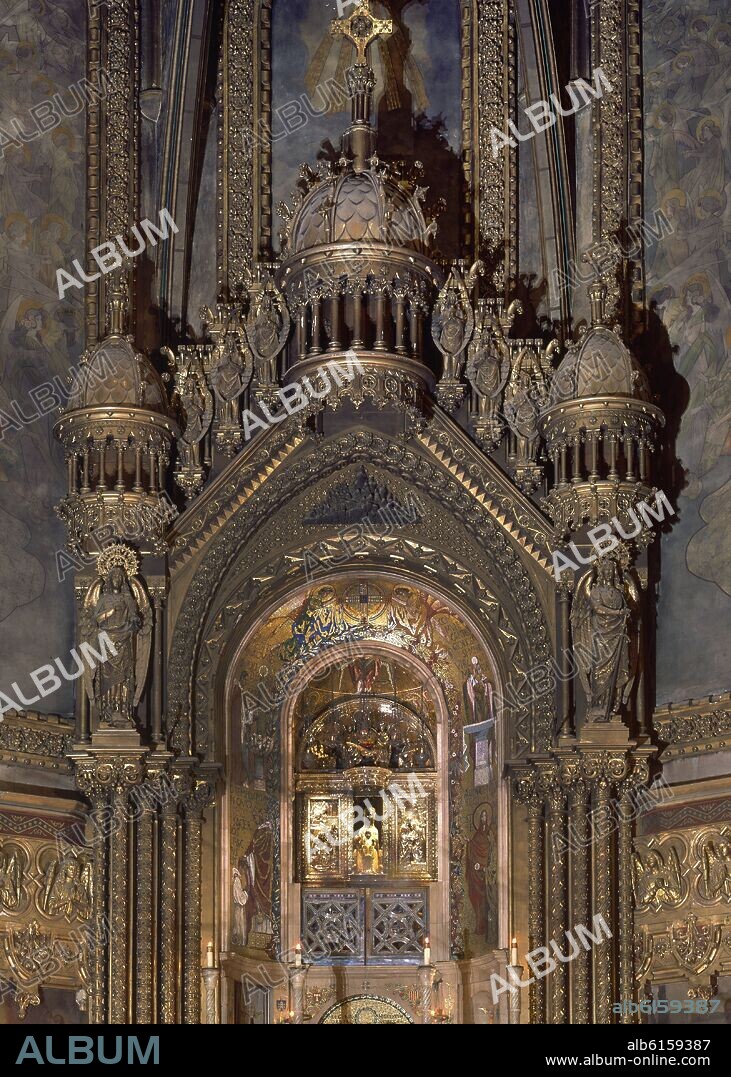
361	27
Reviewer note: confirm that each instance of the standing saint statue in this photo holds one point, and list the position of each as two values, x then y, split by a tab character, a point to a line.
116	604
600	620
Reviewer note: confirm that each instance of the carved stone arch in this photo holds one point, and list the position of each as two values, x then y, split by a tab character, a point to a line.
505	569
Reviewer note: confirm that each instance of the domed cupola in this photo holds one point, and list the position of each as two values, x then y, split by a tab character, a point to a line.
359	207
355	267
599	427
117	431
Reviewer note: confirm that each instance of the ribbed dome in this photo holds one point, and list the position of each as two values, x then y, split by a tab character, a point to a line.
118	376
600	365
359	207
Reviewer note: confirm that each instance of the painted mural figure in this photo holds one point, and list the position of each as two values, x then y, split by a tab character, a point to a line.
480	724
481	875
478	694
242	905
257	870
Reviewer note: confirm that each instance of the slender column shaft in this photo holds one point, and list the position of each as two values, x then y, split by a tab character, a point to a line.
168	913
119	485
192	910
602	849
536	897
98	962
629	457
577	461
302	333
101	482
335	343
579	830
157	669
564	684
143	919
594	447
85	487
380	344
358	341
625	909
119	880
400	320
138	470
557	904
315	348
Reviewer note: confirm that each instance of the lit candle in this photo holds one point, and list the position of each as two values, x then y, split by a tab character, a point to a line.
291	1015
514	952
427	951
298	955
209	956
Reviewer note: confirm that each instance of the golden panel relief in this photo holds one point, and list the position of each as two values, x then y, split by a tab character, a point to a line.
346	834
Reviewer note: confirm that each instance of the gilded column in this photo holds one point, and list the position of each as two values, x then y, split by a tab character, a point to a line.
167	958
627	985
602	873
579	854
536	898
563	687
194	804
99	964
118	885
143	919
557	890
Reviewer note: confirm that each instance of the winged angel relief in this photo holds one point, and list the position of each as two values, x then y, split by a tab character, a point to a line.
658	879
117	604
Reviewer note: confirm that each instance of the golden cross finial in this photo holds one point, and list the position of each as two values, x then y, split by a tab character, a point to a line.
362	27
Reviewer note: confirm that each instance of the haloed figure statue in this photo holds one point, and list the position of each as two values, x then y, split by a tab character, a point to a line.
117	605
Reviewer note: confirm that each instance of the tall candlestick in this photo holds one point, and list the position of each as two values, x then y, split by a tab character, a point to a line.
514	952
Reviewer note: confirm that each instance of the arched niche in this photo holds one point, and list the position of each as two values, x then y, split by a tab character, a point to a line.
297	644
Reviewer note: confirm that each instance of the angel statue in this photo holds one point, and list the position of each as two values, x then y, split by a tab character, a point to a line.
716	864
195	413
11	874
230	365
67	888
453	323
658	880
600	620
267	329
116	604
